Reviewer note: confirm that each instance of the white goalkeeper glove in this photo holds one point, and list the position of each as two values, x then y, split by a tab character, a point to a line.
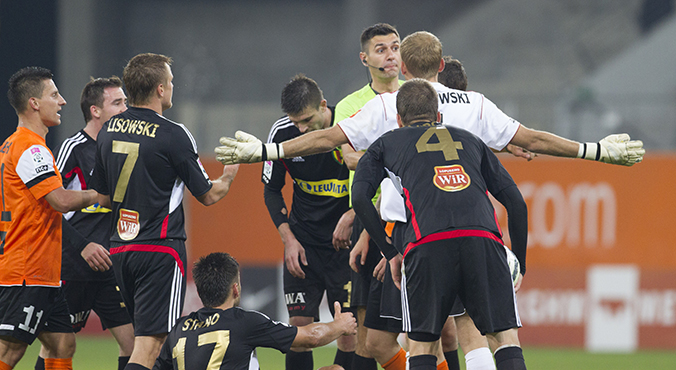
246	148
613	149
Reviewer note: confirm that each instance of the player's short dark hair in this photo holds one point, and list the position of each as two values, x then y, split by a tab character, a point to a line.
417	101
214	275
421	52
300	94
453	76
27	83
92	94
378	29
143	74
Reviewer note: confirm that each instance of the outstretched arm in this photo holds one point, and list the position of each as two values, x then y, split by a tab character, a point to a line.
246	148
613	149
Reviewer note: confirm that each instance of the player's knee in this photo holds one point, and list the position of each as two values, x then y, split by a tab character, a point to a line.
300	320
62	347
347	343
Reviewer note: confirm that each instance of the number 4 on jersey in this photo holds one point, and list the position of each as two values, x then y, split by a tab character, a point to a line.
446	144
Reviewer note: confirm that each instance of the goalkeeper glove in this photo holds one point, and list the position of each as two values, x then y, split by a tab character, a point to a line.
246	148
613	149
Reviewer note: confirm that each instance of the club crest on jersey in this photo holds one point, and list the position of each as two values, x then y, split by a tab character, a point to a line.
451	178
128	225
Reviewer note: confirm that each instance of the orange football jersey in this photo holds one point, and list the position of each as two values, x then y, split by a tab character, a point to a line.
30	229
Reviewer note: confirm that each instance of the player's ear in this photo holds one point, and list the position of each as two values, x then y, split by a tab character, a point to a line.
160	90
439	117
399	122
235	290
95	111
404	70
442	65
34	103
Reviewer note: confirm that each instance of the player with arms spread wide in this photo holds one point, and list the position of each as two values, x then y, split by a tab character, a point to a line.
452	242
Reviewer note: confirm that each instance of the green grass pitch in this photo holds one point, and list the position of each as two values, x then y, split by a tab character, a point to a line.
100	353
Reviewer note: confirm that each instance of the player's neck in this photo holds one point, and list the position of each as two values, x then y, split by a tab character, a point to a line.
92	128
154	104
383	86
34	124
230	303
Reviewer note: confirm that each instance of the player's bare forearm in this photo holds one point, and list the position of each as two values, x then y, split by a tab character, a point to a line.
543	142
63	200
220	187
315	142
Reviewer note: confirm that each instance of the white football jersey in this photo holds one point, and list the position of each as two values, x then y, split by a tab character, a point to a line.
468	110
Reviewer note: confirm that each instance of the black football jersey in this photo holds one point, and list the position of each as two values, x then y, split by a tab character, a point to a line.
75	161
222	339
320	187
443	173
143	162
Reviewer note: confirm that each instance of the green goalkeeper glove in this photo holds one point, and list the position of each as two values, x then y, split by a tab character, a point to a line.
246	148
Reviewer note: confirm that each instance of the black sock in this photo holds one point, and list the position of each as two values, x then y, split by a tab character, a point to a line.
452	360
135	366
122	362
40	364
510	358
299	360
363	363
423	362
344	359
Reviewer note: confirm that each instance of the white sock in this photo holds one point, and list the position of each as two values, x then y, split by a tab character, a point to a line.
479	359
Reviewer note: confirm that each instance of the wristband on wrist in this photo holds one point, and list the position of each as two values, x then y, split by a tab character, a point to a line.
590	151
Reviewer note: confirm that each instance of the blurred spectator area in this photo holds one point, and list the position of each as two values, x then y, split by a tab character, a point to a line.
579	68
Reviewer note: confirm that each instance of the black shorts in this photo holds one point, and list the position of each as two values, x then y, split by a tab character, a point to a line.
373	318
151	277
361	281
26	311
475	268
390	298
327	270
102	296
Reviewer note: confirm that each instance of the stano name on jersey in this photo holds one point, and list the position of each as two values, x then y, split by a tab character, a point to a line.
132	127
193	324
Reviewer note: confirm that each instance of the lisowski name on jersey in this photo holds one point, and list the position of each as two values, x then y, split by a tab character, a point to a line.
133	127
451	178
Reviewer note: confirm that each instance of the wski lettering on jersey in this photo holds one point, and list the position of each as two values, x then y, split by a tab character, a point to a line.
453	97
193	324
135	126
451	178
325	188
